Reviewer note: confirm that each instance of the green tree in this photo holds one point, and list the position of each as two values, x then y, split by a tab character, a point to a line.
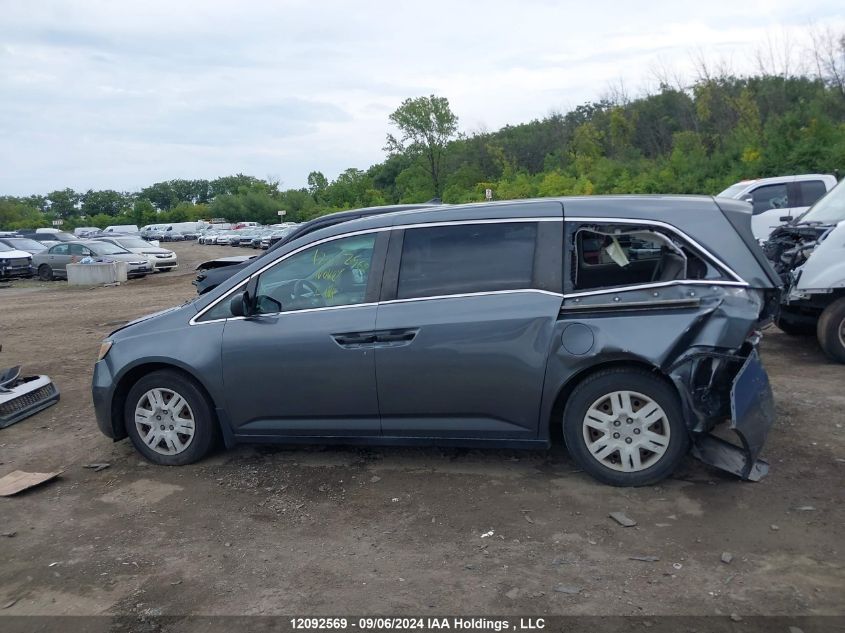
63	204
426	125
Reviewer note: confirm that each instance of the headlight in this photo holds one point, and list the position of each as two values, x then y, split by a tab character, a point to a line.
105	346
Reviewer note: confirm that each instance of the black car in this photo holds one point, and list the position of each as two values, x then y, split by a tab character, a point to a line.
212	273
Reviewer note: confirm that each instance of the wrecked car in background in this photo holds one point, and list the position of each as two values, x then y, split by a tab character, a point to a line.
631	323
809	255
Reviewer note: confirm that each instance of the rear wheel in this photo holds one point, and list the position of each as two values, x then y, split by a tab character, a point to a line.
831	330
169	419
625	427
45	273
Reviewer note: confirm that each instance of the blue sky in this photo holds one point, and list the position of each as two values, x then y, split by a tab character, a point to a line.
97	94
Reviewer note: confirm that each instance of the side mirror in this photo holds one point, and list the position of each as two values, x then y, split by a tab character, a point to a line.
240	305
785	218
748	199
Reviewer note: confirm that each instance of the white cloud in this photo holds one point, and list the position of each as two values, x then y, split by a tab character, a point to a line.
97	94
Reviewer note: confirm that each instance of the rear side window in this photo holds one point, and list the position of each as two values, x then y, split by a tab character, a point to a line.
616	255
466	258
770	197
811	191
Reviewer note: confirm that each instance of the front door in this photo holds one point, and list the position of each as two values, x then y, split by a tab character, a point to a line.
304	365
462	341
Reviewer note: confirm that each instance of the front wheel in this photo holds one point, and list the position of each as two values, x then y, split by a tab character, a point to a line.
831	330
625	427
169	419
45	273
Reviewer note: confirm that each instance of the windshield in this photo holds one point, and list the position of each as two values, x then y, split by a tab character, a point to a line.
134	242
829	210
5	247
733	191
105	248
25	244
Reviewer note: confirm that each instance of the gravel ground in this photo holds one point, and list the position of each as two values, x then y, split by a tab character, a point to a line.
292	530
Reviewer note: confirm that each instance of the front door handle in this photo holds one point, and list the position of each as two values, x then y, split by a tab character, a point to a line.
354	340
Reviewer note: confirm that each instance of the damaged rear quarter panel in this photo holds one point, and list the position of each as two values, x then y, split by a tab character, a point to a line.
695	335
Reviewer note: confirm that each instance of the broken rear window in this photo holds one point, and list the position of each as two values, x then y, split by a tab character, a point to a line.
613	255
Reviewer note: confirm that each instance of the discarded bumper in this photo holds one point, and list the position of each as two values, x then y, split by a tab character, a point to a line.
21	397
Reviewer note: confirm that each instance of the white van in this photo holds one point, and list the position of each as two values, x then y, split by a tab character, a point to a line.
122	228
776	201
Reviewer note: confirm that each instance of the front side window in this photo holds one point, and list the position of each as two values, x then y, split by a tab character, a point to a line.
615	255
333	273
466	258
769	197
60	249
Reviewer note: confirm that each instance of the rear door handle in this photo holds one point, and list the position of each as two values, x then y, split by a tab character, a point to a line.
389	337
354	340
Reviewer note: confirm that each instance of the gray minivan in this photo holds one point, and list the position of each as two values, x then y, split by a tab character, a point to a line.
629	322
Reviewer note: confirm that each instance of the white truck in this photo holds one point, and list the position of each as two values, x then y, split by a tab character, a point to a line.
809	255
776	201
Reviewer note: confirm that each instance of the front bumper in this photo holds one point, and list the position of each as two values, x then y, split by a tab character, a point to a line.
138	270
102	393
16	272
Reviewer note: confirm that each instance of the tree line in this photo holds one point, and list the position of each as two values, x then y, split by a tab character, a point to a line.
695	138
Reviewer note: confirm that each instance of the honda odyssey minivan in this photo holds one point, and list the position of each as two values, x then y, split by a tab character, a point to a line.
630	323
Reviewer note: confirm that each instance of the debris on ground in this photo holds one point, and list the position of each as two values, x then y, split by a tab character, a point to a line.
773	527
622	519
567	589
23	396
20	480
645	559
11	603
11	534
97	467
486	534
513	594
804	509
727	557
375	479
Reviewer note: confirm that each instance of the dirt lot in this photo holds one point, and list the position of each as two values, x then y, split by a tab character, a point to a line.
393	530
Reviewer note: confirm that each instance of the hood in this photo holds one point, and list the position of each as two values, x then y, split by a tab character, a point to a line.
14	254
824	268
147	317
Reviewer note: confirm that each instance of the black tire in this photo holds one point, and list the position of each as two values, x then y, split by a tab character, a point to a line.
206	430
45	273
603	383
831	330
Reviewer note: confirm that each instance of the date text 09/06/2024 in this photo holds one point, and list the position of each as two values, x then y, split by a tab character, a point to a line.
417	624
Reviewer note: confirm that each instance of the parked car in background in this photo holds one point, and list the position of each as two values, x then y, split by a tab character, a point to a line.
14	263
85	231
125	229
161	259
47	237
776	201
809	255
516	332
23	244
53	262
